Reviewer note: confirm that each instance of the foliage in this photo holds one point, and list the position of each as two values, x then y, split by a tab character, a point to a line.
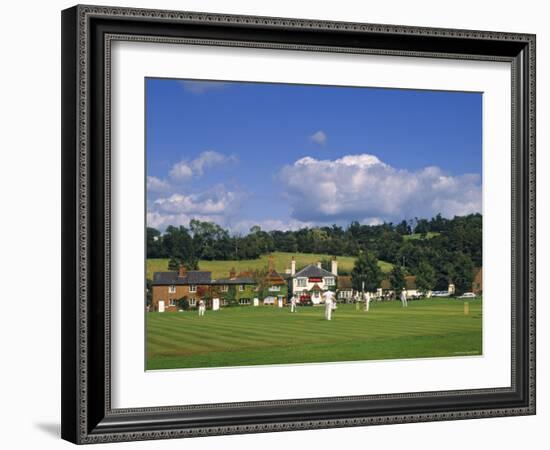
231	296
173	264
149	291
426	277
204	292
442	243
397	278
463	274
367	271
183	303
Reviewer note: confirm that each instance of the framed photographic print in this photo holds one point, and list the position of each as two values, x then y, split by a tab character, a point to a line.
279	224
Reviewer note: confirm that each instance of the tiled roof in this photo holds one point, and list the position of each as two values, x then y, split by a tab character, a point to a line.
191	277
239	280
275	278
164	277
312	271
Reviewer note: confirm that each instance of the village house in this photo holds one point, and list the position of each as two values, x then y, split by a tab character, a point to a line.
313	280
169	287
240	288
275	288
345	288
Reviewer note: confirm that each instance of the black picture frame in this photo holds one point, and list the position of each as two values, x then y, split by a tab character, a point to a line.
87	416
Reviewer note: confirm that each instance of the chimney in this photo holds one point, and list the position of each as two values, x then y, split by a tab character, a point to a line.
232	273
319	264
293	266
334	266
181	271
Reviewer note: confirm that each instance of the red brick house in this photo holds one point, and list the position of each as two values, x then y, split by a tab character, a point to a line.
169	287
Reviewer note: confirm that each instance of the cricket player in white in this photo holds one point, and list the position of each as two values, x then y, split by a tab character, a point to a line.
202	307
293	304
404	298
329	299
367	301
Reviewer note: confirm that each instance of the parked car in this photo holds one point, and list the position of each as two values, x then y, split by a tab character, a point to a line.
440	294
467	295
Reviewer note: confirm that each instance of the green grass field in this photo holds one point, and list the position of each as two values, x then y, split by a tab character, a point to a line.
243	336
281	260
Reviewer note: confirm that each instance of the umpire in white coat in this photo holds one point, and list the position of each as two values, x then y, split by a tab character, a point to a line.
404	298
329	304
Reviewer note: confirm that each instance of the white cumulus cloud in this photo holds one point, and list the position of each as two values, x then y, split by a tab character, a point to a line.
361	187
214	201
216	204
186	169
155	184
319	137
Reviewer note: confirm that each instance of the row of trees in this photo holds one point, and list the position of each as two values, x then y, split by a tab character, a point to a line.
459	270
435	250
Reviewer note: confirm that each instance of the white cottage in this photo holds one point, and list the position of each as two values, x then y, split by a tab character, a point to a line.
313	280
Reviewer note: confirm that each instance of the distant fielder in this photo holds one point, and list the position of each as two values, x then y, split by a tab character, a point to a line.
293	304
404	298
329	299
367	301
202	307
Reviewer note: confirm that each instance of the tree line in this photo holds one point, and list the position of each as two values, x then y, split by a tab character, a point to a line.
435	250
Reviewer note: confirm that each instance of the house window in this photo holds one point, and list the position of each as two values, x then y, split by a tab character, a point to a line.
192	288
301	282
244	301
192	301
172	302
329	281
172	289
274	288
225	287
241	287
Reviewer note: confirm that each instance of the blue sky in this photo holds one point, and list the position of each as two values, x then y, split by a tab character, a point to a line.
285	156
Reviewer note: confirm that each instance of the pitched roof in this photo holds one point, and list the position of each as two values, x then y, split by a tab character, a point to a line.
312	271
190	277
275	278
237	280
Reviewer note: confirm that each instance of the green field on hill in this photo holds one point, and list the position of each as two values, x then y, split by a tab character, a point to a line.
247	335
281	260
